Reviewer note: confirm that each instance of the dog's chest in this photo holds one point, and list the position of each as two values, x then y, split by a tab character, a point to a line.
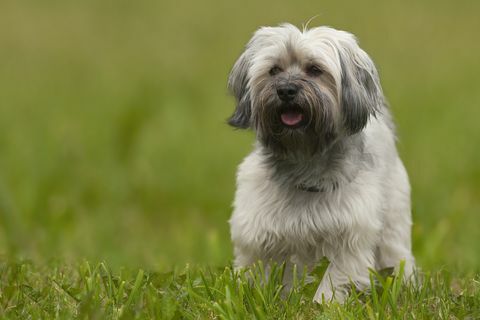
302	216
272	215
287	219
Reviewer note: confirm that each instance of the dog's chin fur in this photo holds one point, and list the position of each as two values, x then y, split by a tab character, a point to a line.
332	186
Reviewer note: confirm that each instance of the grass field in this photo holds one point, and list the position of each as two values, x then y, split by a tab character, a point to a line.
115	156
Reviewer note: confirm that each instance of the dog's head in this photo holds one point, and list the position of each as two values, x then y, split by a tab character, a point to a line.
301	89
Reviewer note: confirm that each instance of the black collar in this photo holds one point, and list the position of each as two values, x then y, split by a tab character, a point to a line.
306	188
317	188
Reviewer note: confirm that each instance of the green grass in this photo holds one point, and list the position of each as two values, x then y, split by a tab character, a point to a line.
96	292
114	148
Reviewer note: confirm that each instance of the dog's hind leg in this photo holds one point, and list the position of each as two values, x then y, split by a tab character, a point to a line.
394	244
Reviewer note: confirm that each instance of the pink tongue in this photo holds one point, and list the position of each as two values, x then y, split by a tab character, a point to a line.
291	118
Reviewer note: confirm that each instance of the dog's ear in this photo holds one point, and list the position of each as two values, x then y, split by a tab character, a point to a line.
238	81
361	93
238	86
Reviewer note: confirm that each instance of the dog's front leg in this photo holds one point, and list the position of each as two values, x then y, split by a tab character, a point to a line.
245	257
346	267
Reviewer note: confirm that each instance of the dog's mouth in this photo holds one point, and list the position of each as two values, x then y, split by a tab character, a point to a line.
292	116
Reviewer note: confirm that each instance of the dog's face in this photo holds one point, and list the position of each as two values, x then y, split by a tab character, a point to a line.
300	90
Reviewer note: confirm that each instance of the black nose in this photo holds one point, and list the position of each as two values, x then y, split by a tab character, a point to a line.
286	92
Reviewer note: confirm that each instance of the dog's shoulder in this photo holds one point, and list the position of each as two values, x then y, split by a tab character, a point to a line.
253	166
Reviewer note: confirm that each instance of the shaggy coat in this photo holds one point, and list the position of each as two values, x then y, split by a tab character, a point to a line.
324	178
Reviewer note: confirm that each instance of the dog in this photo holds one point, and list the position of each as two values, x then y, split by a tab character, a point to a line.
324	178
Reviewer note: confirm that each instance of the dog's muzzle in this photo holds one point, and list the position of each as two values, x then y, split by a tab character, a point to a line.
291	115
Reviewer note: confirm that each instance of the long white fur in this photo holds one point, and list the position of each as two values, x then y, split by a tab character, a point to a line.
363	223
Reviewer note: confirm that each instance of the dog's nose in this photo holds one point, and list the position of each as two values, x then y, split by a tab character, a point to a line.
286	92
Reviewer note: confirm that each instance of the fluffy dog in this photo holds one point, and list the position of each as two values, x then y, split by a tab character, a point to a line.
324	178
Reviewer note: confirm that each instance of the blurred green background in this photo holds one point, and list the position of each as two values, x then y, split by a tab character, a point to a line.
113	143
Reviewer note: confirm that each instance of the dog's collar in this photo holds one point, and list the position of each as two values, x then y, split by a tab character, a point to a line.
304	187
318	187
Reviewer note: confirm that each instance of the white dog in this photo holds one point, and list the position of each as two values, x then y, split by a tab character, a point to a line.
324	178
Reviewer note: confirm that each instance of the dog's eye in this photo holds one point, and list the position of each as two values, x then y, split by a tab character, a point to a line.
275	70
314	71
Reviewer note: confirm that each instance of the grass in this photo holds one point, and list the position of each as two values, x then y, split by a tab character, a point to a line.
114	150
96	292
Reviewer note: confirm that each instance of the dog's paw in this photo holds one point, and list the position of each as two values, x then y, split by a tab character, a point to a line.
327	295
323	297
